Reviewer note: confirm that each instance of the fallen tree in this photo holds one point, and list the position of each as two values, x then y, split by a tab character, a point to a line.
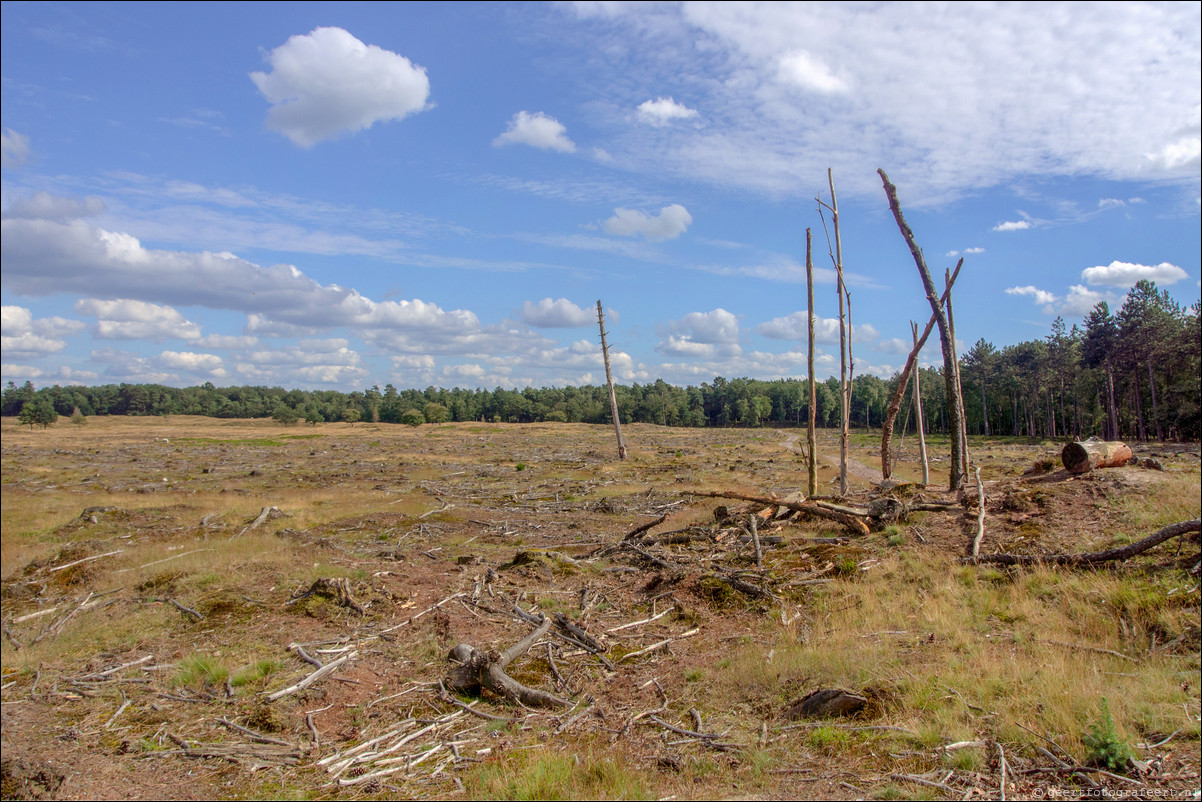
1093	558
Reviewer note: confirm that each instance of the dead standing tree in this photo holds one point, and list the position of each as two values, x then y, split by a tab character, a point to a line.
609	381
949	368
813	434
844	334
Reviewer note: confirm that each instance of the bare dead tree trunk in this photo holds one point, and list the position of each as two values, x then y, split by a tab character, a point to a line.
813	458
956	422
895	402
841	292
959	399
609	380
922	438
851	367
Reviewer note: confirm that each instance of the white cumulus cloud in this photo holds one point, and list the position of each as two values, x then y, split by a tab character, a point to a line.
664	111
1013	225
1040	296
538	131
557	314
796	326
669	223
1124	274
24	337
327	82
125	319
202	364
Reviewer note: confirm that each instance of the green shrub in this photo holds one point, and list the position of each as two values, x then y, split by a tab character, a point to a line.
413	417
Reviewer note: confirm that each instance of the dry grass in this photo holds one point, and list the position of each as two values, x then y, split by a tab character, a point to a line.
944	652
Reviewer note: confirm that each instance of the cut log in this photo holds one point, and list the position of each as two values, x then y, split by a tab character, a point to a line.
1084	457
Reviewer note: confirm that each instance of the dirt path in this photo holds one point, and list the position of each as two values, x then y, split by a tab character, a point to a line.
854	466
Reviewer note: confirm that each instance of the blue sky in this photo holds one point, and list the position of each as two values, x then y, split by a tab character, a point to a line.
337	196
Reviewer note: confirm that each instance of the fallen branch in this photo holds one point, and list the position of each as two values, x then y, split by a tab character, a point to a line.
188	611
745	587
659	645
254	736
851	522
84	560
267	512
309	680
634	534
1093	558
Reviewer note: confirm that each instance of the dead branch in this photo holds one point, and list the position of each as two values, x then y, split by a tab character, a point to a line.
302	654
188	611
1093	558
659	645
446	697
309	680
755	537
976	541
746	588
634	534
269	753
84	560
267	512
258	737
851	522
486	670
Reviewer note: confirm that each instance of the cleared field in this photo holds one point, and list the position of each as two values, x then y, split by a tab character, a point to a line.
155	623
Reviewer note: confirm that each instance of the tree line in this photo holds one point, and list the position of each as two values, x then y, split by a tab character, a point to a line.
1130	375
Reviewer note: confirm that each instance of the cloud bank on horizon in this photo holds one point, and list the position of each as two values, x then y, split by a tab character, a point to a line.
406	196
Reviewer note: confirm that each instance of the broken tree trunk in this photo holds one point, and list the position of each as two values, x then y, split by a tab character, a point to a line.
895	402
609	380
1084	457
478	670
955	420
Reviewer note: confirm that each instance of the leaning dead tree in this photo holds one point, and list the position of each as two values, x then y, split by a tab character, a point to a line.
844	334
895	402
609	380
956	420
813	457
